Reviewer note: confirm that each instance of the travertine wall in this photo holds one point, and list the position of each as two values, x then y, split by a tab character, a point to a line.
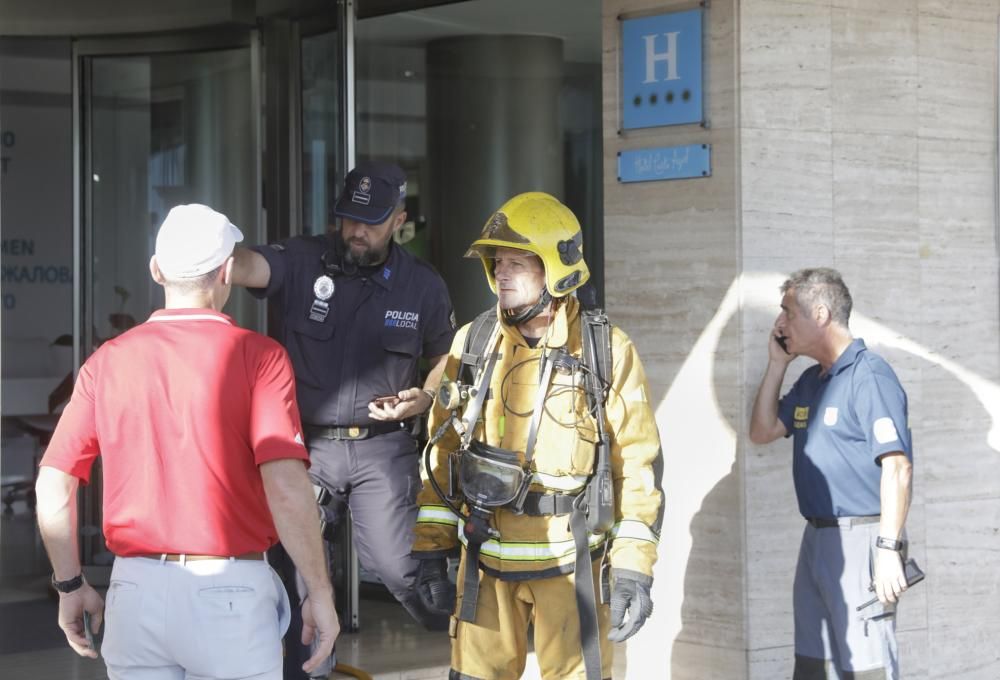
671	263
851	134
869	144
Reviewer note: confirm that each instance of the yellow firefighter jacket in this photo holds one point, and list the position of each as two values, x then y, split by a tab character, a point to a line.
563	458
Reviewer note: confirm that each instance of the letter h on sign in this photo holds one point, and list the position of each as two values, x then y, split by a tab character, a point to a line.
653	57
662	70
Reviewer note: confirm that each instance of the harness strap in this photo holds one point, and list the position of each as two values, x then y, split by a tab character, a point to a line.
475	345
596	343
471	415
470	585
536	416
586	602
544	504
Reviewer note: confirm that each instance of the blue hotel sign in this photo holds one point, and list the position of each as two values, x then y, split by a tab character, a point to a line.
665	162
661	70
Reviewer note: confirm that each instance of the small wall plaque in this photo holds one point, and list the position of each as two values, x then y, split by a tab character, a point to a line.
665	162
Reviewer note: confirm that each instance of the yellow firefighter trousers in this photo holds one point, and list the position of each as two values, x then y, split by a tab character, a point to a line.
495	646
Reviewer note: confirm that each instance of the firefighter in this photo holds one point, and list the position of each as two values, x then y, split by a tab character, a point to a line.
544	464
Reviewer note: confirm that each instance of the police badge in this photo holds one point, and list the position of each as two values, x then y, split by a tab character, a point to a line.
323	289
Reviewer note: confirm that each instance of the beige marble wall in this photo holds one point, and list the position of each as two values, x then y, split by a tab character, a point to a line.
846	133
672	257
868	144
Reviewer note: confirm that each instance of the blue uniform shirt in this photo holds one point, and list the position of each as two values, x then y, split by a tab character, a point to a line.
843	422
379	323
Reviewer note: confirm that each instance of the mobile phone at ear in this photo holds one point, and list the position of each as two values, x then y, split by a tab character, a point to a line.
782	342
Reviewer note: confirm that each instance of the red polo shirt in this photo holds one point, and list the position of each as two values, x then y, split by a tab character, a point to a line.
182	409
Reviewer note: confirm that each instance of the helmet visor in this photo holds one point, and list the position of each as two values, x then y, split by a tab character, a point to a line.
496	233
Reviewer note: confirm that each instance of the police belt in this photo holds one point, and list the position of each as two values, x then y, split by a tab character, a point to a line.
546	504
353	432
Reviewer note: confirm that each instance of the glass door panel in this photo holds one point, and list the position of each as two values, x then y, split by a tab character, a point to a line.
163	130
158	130
322	129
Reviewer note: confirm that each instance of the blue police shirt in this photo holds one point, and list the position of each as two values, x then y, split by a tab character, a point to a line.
842	423
379	323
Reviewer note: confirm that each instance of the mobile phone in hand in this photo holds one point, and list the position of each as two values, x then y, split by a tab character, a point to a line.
913	573
87	631
782	342
388	400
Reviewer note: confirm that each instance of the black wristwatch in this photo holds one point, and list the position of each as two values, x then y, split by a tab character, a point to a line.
889	544
67	586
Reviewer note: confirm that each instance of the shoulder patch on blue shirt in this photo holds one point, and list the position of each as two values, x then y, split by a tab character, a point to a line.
885	431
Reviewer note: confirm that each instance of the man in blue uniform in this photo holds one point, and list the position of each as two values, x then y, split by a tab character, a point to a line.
359	313
852	471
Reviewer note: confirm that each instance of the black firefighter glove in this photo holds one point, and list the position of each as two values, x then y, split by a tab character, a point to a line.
435	588
630	593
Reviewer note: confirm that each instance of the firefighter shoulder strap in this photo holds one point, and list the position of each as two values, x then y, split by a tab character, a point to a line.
592	321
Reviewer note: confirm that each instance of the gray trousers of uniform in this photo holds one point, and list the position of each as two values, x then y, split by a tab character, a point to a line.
377	479
832	638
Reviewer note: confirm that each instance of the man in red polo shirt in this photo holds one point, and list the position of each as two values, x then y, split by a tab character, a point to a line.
204	469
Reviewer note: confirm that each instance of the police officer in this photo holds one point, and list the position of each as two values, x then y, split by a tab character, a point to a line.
522	445
359	313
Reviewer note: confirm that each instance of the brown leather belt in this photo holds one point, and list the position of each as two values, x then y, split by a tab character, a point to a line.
177	557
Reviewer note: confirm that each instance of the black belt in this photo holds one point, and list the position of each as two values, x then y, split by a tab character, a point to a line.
546	504
353	431
848	522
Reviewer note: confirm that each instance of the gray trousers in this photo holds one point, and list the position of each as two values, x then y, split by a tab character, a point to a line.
833	639
377	480
197	620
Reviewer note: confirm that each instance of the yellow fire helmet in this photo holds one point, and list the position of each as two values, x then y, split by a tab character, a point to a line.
540	224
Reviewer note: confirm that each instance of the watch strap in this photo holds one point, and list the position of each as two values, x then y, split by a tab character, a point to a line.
69	585
889	543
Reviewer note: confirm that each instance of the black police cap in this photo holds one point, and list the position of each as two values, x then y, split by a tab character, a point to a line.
371	191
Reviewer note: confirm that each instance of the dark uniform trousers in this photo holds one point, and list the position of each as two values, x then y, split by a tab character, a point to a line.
377	480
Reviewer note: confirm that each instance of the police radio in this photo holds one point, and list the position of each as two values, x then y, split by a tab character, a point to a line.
334	262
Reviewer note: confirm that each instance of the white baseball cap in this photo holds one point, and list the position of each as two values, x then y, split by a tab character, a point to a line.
194	240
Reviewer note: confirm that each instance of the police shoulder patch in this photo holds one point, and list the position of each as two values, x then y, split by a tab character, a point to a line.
801	417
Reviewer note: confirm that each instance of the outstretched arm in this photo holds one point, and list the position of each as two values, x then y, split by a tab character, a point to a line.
250	269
